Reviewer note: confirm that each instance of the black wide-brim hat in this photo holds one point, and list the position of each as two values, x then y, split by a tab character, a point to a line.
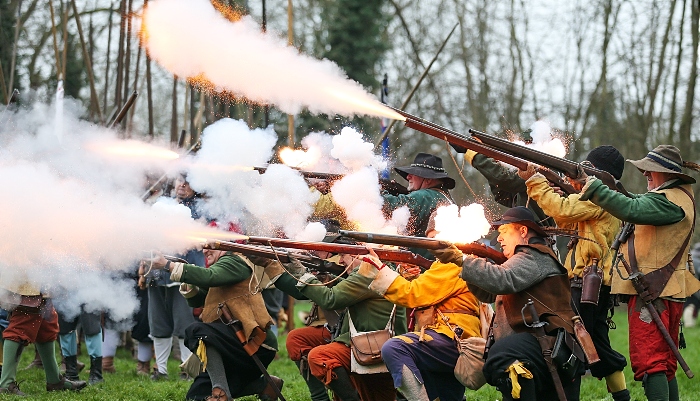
520	215
427	166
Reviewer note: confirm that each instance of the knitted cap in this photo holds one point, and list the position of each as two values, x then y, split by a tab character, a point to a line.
607	158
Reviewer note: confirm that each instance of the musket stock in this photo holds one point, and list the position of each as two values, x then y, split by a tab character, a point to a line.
458	139
387	255
474	248
567	167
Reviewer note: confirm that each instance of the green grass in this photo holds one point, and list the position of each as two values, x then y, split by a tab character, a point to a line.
126	385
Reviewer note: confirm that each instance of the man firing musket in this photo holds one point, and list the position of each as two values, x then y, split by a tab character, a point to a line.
234	340
655	254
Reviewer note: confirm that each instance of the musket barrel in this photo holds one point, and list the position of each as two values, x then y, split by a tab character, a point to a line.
282	255
389	255
122	112
425	243
568	167
310	246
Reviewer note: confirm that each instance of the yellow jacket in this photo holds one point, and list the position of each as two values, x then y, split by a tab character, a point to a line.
326	208
587	219
442	286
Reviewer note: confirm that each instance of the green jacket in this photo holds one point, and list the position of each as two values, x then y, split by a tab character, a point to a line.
229	269
507	187
369	310
651	208
421	203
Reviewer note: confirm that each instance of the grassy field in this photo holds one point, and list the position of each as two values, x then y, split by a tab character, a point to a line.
126	385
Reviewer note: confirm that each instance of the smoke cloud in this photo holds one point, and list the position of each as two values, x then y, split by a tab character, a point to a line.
73	223
239	58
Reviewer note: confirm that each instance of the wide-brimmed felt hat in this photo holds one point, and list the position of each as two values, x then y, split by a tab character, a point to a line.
428	166
664	159
520	215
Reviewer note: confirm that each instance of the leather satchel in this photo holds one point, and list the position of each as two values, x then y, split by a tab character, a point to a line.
366	346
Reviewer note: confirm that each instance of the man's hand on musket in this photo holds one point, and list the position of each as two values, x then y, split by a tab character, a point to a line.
580	181
157	261
294	267
529	172
449	253
371	264
557	190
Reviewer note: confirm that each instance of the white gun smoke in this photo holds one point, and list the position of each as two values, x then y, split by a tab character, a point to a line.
239	58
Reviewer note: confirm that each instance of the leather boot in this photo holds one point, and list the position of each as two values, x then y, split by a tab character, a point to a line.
143	368
108	364
95	370
269	393
62	367
262	388
318	390
65	384
342	386
71	367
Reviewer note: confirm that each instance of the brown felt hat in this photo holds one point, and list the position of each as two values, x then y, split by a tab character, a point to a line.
664	159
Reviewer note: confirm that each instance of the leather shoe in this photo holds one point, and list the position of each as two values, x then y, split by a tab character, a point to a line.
65	384
269	393
156	375
12	388
217	394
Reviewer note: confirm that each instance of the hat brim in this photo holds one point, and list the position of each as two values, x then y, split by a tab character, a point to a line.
449	183
527	223
647	164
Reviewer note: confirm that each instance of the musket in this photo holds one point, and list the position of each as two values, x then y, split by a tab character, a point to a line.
283	255
308	174
387	255
642	287
390	186
474	248
458	139
545	345
567	167
122	112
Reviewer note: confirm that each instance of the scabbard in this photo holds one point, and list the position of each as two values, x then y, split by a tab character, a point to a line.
546	347
639	285
250	347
